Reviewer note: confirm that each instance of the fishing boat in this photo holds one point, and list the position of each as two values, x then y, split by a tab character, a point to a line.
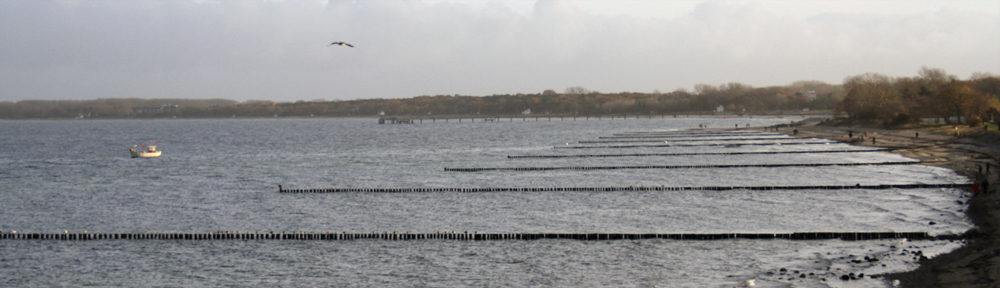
146	151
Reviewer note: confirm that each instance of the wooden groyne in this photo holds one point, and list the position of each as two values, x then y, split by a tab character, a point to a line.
681	140
693	154
477	169
694	131
618	188
523	118
475	236
538	118
693	145
685	134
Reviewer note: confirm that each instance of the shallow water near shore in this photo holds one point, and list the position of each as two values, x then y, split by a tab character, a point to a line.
222	175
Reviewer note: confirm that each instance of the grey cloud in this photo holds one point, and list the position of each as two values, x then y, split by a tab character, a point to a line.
278	49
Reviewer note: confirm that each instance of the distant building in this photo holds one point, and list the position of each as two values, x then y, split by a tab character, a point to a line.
720	109
811	95
526	111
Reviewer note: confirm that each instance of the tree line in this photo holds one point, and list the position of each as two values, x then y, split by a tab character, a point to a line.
733	97
866	97
932	94
108	108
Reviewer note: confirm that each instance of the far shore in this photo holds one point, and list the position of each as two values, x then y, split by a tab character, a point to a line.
791	117
963	149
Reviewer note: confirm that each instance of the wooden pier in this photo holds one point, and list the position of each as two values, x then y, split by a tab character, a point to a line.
395	121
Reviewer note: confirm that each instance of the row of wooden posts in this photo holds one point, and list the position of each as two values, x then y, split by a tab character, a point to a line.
675	135
233	235
729	131
681	140
695	145
696	153
400	120
625	188
478	169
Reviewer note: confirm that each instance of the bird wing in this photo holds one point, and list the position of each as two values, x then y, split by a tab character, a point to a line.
341	43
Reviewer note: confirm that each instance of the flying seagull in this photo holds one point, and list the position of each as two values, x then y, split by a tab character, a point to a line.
341	43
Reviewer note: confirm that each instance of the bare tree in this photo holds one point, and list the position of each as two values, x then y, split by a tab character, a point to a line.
871	96
934	77
981	75
577	90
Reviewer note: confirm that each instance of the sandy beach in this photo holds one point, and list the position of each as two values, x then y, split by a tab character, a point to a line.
977	264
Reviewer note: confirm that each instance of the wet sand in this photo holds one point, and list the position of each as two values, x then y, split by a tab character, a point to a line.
976	264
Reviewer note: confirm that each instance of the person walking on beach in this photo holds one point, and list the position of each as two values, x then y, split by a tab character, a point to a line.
850	134
918	134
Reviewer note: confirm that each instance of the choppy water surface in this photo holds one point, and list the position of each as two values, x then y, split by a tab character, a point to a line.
222	175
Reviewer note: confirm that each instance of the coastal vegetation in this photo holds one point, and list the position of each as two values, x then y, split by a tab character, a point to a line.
733	97
868	97
933	94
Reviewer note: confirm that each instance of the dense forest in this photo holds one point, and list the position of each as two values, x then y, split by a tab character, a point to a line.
866	97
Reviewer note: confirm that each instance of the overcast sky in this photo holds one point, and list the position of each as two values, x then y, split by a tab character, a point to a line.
278	50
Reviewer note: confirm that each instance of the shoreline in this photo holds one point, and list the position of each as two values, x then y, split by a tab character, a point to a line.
442	117
976	264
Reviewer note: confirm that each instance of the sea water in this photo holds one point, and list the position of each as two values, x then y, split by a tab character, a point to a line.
223	175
